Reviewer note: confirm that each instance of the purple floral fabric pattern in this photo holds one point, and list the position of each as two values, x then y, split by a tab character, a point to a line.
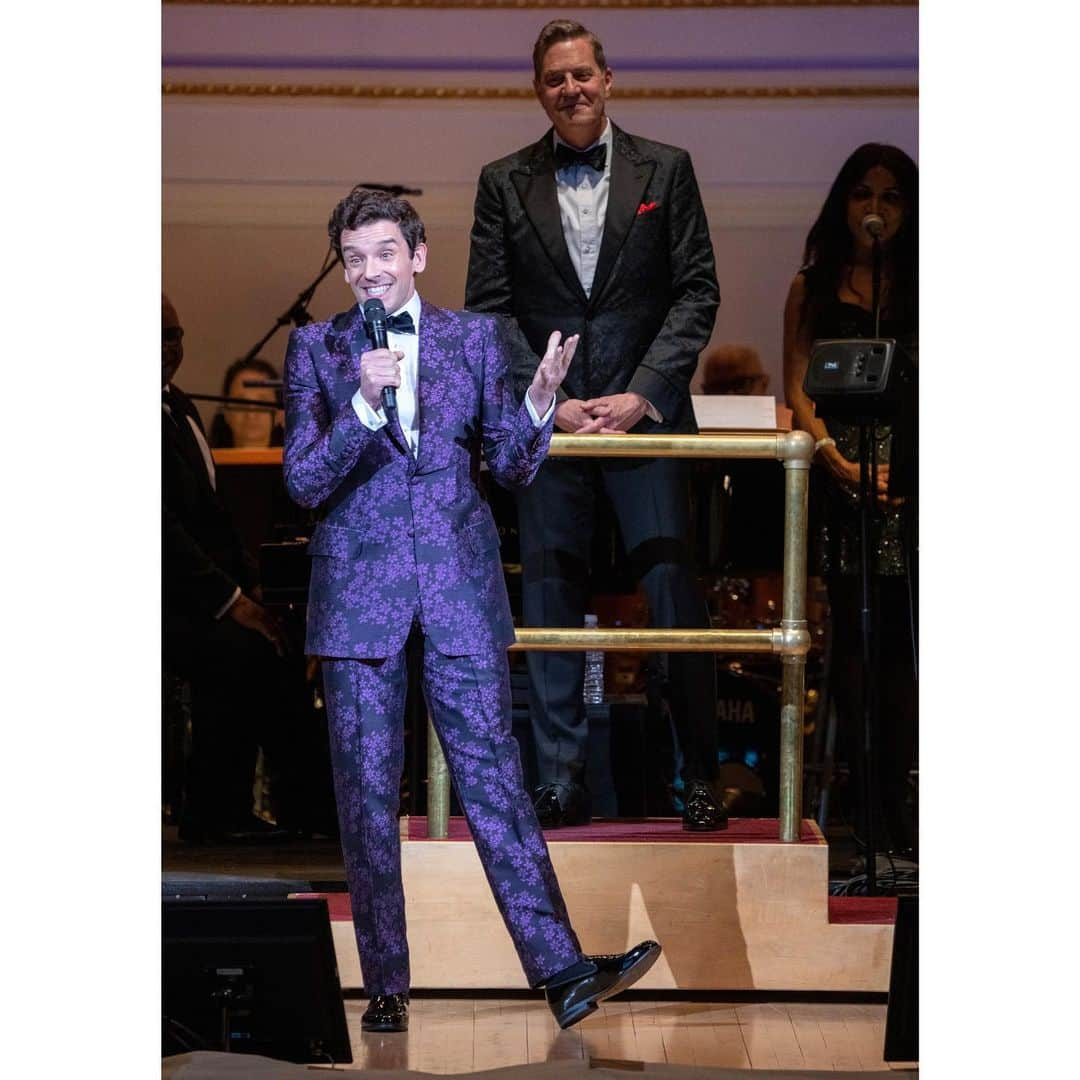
407	540
400	532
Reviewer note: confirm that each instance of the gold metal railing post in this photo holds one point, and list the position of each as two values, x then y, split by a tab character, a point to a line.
790	642
438	788
798	450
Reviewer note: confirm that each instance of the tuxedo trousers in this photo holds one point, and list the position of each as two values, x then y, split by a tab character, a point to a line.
469	701
556	517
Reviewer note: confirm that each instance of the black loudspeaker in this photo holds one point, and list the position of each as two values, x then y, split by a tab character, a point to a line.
851	377
185	886
252	977
902	1016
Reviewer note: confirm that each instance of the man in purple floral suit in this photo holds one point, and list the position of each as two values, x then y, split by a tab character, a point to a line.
406	539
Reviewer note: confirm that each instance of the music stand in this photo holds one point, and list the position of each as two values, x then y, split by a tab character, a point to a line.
252	977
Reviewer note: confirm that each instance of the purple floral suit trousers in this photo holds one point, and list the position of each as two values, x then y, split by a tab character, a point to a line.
406	540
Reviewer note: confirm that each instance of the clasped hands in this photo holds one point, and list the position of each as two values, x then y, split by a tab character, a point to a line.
608	415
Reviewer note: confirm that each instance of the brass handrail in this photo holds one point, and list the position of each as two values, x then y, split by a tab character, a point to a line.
791	641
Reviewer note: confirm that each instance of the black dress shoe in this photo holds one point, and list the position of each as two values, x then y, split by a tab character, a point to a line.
387	1012
578	990
703	813
559	805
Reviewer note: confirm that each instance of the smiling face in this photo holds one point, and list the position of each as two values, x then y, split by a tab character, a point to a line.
378	265
574	91
876	193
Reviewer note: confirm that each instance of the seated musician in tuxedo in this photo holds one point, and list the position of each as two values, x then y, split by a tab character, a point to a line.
405	540
216	633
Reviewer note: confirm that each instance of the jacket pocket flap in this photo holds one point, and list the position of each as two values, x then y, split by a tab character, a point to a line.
335	542
483	536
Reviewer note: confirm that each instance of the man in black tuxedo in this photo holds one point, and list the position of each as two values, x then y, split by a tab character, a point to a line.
603	234
216	633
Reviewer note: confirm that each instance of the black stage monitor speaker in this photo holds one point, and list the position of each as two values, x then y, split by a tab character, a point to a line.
252	977
852	376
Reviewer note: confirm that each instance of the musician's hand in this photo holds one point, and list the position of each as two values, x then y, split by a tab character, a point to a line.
379	368
255	617
619	412
551	370
847	474
571	416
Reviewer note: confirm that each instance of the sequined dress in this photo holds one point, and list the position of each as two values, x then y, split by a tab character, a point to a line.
836	530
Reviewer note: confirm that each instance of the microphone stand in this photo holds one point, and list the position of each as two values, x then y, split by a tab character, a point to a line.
297	312
875	284
868	479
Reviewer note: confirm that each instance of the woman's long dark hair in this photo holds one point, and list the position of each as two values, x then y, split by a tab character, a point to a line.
830	245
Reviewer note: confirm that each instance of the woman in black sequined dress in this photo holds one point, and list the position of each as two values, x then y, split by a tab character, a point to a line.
831	297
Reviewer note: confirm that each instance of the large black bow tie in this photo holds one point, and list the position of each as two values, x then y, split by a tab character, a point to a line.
401	323
596	156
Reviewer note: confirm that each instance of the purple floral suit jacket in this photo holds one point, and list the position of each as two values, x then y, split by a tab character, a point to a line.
403	536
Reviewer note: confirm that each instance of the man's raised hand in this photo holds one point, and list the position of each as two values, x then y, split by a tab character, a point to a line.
551	370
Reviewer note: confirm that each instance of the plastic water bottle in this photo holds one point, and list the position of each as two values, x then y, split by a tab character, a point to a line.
594	670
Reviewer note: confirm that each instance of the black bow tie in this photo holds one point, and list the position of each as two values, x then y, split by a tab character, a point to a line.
596	156
401	323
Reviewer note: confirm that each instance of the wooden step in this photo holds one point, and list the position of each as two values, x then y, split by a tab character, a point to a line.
735	910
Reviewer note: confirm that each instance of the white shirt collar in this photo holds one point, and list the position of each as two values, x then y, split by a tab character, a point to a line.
412	306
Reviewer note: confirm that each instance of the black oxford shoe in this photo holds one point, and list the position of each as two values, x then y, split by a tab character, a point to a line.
577	991
387	1012
560	805
703	813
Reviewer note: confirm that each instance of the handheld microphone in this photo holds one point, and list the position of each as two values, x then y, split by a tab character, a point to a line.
873	226
375	317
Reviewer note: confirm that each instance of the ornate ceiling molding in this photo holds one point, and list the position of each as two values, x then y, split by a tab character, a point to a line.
525	5
504	93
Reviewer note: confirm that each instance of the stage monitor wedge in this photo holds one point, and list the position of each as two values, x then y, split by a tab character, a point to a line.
254	977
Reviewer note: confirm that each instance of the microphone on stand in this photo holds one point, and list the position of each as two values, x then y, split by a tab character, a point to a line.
375	317
873	226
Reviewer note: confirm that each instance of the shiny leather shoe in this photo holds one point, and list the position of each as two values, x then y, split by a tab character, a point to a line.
560	805
387	1012
577	991
703	813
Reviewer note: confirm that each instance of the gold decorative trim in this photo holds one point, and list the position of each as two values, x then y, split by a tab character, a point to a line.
525	5
523	93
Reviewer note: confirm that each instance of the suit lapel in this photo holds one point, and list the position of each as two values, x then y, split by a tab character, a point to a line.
630	176
431	378
535	186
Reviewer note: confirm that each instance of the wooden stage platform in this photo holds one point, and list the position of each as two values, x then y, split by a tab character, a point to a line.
735	910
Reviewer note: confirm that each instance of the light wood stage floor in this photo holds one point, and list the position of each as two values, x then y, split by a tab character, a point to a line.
470	1036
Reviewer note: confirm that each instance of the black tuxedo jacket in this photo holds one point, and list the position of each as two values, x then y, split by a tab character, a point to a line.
202	554
654	297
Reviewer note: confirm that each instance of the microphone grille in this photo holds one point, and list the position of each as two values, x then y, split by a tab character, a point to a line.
873	224
374	309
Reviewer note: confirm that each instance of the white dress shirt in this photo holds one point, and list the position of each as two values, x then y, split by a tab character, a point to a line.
583	199
408	391
583	196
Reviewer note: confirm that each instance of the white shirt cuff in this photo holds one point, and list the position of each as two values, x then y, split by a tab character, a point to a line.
652	412
367	415
221	612
538	421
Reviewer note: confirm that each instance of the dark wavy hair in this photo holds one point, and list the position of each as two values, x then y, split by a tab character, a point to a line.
830	245
559	30
362	206
221	434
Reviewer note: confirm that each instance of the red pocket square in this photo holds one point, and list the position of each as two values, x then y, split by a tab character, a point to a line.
645	207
